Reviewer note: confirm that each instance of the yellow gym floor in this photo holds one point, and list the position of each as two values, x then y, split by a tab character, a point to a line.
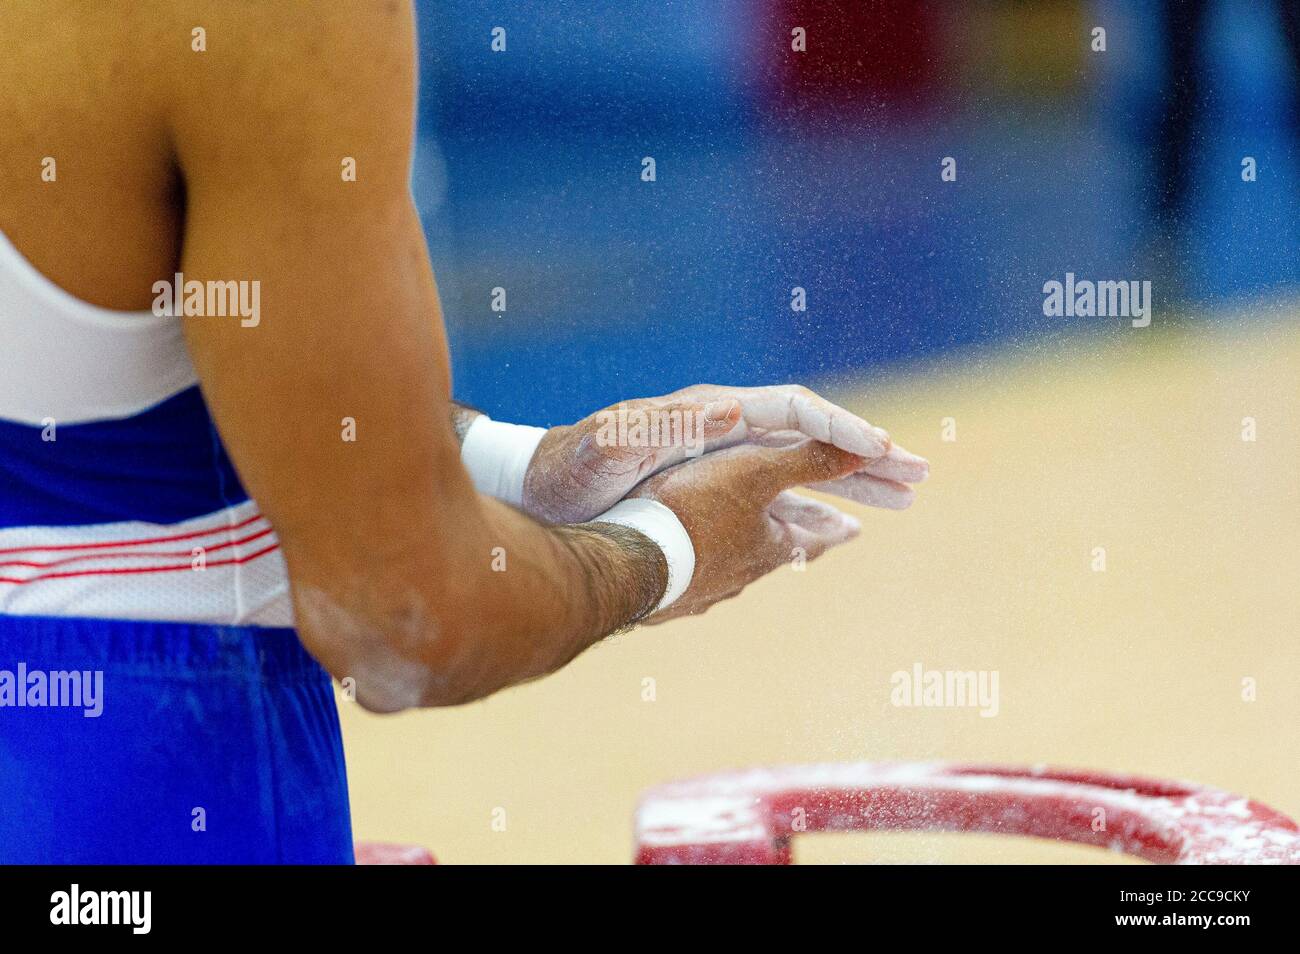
1130	440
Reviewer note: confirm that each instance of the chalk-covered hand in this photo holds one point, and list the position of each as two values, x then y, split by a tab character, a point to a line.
581	470
742	518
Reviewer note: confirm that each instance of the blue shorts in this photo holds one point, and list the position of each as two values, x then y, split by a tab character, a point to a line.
212	744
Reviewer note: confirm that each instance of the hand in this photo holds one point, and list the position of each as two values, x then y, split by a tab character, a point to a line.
582	470
743	521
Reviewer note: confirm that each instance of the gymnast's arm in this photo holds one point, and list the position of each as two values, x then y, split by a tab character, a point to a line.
390	551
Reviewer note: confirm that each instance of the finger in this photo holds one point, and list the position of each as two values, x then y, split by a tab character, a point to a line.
719	417
695	426
795	408
777	438
770	470
900	465
813	515
812	526
866	489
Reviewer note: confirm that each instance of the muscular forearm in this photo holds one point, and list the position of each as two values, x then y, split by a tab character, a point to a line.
548	593
499	600
624	573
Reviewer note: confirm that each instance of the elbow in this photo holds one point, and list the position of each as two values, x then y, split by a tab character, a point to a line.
388	682
385	681
394	658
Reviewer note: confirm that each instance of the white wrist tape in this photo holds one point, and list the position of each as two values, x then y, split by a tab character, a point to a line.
497	456
662	526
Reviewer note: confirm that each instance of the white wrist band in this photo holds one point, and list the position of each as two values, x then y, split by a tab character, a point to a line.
662	526
497	454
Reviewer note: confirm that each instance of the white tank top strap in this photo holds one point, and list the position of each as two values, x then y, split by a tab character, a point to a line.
72	362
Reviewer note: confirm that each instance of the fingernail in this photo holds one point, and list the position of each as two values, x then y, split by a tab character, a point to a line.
900	500
921	465
851	524
869	442
879	442
717	411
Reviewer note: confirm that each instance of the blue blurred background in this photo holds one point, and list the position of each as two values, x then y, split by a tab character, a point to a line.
821	169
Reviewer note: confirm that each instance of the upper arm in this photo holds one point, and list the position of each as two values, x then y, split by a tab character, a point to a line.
349	325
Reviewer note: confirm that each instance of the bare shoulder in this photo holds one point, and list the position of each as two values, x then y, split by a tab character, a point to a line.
87	182
110	104
299	68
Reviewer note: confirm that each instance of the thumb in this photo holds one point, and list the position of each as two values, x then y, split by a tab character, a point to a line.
774	469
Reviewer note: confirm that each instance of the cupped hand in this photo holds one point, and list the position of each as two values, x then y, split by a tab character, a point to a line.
743	521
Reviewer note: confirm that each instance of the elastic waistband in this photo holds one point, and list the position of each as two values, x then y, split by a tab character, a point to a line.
171	649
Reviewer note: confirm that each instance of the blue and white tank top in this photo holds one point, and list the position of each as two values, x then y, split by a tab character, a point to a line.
117	499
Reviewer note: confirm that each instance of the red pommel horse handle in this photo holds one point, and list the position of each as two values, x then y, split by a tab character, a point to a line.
750	817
